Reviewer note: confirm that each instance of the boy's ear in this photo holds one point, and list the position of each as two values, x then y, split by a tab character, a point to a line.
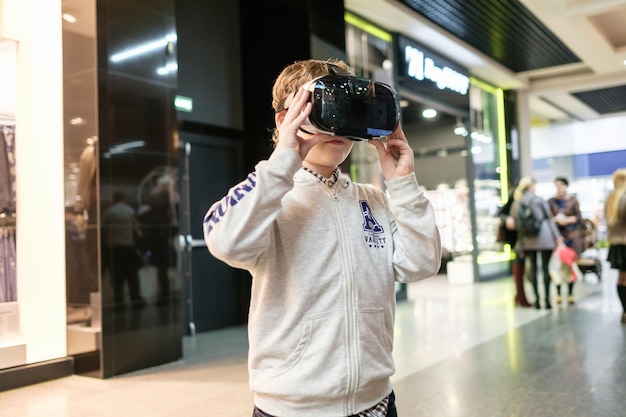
279	117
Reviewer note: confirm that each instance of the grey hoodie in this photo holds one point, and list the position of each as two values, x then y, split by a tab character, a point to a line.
324	262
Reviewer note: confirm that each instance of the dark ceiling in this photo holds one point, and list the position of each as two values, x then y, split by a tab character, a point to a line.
507	32
606	100
504	30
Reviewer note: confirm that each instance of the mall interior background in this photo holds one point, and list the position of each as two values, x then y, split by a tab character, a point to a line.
101	122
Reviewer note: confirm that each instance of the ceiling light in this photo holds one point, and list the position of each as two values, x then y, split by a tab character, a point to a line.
143	48
478	135
459	128
123	147
70	18
173	67
429	113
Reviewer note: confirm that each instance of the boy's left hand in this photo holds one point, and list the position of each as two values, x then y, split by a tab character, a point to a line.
396	156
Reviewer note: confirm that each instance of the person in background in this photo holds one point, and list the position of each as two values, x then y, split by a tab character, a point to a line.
566	211
615	214
541	245
324	254
518	265
120	226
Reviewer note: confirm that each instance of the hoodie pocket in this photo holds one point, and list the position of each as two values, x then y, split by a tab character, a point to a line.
375	345
320	352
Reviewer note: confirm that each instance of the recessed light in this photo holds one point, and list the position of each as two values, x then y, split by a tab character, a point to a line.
69	18
459	128
429	113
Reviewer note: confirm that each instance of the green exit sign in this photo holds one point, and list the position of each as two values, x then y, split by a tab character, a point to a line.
183	103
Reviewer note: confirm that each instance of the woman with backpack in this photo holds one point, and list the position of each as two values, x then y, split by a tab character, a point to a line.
537	234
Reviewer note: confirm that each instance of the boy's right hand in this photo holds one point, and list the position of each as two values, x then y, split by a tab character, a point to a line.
289	123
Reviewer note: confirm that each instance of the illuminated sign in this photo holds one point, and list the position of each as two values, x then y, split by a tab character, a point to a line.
430	76
420	67
182	103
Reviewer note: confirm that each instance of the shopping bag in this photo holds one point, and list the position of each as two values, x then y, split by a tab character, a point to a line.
576	274
568	258
555	266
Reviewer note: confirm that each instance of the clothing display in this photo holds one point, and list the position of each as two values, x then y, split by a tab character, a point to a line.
81	235
8	275
7	169
85	189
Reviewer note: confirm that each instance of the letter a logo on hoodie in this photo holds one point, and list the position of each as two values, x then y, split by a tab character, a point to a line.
369	222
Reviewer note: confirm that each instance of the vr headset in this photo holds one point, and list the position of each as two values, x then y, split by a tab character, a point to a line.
357	108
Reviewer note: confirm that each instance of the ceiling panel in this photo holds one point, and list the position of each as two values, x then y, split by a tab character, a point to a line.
606	100
611	25
506	31
567	55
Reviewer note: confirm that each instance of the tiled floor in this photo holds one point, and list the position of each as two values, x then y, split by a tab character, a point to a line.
461	350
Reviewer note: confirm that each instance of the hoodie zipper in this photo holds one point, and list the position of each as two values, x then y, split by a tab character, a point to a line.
351	330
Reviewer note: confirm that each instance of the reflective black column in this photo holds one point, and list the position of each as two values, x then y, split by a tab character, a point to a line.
137	73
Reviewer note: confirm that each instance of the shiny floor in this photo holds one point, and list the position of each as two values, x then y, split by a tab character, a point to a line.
461	350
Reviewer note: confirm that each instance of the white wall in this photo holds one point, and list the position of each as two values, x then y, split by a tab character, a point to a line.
576	138
40	239
7	72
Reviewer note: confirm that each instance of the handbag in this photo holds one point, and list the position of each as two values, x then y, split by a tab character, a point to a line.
501	235
506	230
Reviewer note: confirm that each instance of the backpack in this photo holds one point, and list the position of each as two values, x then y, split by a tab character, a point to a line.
528	224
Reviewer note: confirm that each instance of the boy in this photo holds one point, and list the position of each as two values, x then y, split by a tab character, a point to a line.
324	254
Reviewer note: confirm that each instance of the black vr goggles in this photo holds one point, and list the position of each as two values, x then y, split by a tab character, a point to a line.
357	108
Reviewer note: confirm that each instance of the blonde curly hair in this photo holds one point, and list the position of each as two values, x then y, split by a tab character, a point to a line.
614	198
299	73
524	184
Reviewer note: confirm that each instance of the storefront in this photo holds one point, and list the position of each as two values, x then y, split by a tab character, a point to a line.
32	308
79	128
455	125
13	348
